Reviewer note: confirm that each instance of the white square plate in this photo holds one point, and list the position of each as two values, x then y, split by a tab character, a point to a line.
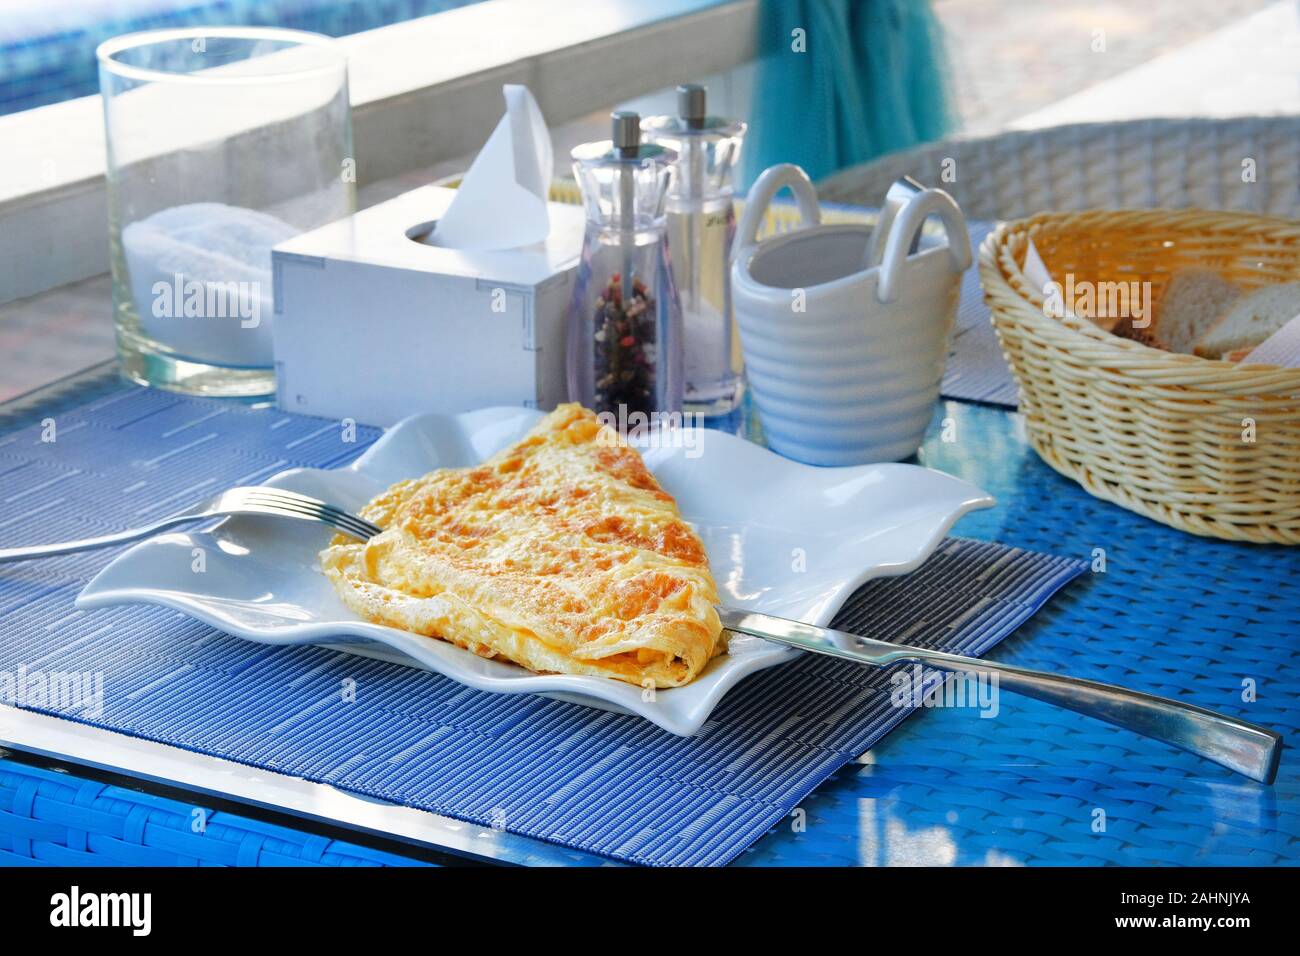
782	537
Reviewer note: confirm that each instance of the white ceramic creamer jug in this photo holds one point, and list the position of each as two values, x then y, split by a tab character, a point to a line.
845	356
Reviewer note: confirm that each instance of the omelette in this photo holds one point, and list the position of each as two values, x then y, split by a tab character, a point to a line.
560	553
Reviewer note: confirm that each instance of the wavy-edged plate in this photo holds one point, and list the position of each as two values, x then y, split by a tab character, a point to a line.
782	537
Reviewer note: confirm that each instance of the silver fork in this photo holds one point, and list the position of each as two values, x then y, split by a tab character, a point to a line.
253	500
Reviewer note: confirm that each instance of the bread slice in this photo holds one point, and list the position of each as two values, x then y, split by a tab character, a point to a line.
1125	329
1251	319
1191	303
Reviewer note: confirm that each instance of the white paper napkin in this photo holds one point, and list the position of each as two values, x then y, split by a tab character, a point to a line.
1280	348
501	203
201	279
1035	270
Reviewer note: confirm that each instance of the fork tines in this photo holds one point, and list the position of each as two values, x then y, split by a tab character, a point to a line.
299	504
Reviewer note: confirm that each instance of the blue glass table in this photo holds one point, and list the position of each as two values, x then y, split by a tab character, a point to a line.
1210	622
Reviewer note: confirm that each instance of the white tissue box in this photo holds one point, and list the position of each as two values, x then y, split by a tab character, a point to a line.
372	324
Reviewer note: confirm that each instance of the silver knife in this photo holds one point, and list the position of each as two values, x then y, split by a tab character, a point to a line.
1235	744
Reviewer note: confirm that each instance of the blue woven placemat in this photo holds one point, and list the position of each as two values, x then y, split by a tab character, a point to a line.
976	369
596	781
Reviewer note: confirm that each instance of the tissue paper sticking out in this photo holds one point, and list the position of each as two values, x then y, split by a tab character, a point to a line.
1036	271
1280	348
501	203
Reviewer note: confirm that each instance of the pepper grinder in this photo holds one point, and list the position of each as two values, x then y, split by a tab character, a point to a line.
701	224
624	336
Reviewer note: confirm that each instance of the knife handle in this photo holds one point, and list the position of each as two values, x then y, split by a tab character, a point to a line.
1244	747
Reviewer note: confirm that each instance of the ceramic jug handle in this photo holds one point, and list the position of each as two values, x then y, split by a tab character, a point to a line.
908	223
761	194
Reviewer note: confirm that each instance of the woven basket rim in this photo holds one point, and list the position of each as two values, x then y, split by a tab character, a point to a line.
1000	272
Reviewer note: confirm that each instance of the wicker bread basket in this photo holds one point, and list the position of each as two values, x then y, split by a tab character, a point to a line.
1162	434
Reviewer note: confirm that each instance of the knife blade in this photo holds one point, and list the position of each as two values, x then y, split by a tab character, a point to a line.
1236	744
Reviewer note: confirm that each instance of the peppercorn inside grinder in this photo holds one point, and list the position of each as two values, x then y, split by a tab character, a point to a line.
701	226
625	323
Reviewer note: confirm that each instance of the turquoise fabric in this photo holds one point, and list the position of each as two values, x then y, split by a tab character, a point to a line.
871	78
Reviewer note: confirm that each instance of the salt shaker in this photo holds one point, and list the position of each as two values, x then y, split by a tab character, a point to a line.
701	226
624	336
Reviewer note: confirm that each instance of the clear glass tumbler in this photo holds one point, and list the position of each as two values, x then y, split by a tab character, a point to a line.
222	142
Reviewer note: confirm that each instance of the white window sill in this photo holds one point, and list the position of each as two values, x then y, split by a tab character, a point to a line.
422	91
